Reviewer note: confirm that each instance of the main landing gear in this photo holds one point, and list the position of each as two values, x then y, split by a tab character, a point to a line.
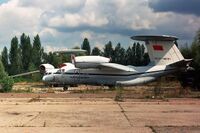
65	88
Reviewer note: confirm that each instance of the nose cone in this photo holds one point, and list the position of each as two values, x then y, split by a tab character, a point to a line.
48	78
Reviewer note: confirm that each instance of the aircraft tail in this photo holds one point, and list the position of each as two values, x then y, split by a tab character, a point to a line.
161	49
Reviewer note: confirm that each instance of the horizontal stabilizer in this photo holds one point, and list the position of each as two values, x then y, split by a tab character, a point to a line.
181	63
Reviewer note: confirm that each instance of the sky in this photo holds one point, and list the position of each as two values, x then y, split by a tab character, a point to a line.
64	24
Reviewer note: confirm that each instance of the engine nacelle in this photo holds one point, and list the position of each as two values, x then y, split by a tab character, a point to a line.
90	61
46	68
65	67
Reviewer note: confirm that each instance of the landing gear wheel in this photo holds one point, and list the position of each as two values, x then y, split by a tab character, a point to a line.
55	85
111	87
65	88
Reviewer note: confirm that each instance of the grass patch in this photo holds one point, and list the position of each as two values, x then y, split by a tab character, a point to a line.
28	90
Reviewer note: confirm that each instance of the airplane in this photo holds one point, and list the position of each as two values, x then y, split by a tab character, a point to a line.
165	59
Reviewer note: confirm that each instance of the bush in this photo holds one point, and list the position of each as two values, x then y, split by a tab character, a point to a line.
6	84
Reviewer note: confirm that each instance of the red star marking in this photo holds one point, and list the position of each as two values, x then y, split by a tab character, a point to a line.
158	47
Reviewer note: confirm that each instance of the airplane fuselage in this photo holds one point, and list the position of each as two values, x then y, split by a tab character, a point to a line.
94	76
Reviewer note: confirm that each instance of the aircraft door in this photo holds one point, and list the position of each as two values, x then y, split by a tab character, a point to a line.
62	77
76	75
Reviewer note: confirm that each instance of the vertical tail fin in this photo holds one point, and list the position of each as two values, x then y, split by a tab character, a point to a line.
161	49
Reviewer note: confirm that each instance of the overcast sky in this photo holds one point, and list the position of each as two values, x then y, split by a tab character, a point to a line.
64	24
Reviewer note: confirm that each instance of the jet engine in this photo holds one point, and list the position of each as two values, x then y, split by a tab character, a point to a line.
46	68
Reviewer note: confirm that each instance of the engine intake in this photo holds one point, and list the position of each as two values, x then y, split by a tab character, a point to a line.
45	68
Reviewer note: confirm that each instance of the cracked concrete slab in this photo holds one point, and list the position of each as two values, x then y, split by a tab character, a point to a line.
49	115
75	130
79	119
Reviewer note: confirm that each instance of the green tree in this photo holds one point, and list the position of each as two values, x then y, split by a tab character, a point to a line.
128	56
45	58
96	51
4	55
146	59
14	57
108	50
133	55
34	76
26	51
53	59
186	52
138	54
196	49
6	82
2	70
37	52
86	46
119	54
194	53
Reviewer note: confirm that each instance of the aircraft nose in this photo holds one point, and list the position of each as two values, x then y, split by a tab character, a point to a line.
48	78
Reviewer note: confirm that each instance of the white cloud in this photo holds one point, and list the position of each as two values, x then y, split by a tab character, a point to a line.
65	23
15	20
86	34
52	5
75	20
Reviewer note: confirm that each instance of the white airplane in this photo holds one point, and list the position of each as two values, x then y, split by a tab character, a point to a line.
165	58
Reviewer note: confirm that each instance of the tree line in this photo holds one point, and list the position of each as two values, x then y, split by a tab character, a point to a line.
193	52
133	55
24	56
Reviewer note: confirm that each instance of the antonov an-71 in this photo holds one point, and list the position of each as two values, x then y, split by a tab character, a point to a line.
165	58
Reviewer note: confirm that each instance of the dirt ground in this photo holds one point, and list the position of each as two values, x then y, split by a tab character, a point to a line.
89	109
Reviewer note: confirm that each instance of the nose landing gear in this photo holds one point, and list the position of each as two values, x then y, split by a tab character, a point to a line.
65	88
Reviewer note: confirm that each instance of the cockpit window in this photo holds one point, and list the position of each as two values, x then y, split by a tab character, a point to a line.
58	72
